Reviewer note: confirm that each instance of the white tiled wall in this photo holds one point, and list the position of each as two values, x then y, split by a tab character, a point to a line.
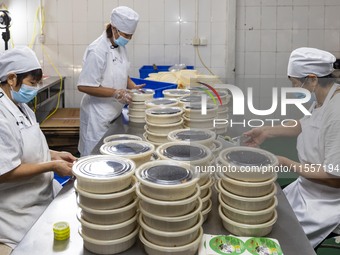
163	36
268	30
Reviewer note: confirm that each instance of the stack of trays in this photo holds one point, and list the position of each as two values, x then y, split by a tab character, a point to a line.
138	151
170	206
161	120
108	206
247	191
198	156
137	106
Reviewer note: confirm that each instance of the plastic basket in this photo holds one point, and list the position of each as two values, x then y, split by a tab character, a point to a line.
145	70
157	86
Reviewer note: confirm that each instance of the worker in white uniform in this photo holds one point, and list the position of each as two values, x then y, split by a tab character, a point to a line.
104	78
315	195
26	164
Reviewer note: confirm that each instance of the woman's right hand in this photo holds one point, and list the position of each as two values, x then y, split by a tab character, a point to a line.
62	168
256	136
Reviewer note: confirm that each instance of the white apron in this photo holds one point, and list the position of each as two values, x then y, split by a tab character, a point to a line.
316	206
96	113
22	202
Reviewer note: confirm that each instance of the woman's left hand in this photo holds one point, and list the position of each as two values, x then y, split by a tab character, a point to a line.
140	86
62	155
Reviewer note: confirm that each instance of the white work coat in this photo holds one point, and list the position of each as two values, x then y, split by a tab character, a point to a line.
103	65
21	141
317	206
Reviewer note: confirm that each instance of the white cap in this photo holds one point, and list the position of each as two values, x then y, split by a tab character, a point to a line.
18	60
124	19
305	61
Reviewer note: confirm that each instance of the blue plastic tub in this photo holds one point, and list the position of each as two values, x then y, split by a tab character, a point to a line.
145	70
157	86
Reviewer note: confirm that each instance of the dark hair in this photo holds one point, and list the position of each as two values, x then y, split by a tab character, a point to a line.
36	76
324	81
109	33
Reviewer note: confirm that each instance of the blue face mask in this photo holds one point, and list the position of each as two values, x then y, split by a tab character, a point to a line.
25	94
121	41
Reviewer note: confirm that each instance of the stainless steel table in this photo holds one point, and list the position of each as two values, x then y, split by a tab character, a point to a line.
39	240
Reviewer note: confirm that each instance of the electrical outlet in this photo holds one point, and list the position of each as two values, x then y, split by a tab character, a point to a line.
196	41
203	41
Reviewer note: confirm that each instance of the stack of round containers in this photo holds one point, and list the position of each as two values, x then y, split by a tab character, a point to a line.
206	138
247	190
170	208
161	116
138	151
158	132
222	111
193	117
212	100
108	205
137	106
198	156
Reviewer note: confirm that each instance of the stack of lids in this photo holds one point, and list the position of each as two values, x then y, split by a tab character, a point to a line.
170	207
165	118
138	151
247	190
137	106
198	156
108	205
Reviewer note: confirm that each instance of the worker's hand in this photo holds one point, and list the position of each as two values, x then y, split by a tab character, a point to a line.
63	155
123	96
62	168
256	137
140	86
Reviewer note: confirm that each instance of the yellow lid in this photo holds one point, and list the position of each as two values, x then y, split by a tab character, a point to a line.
61	230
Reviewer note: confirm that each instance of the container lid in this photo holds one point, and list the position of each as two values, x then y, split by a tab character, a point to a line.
180	92
102	167
142	91
166	174
184	152
164	111
192	135
121	137
161	101
125	148
247	158
191	99
197	106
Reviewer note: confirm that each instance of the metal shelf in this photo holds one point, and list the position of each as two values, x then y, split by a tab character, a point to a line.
47	97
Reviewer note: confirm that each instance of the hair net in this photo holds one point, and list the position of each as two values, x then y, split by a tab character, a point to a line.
18	60
124	19
305	61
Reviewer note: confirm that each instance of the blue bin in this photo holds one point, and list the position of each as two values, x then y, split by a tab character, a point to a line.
145	70
61	180
157	86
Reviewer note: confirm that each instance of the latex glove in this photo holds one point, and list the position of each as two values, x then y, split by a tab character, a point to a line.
139	86
123	96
